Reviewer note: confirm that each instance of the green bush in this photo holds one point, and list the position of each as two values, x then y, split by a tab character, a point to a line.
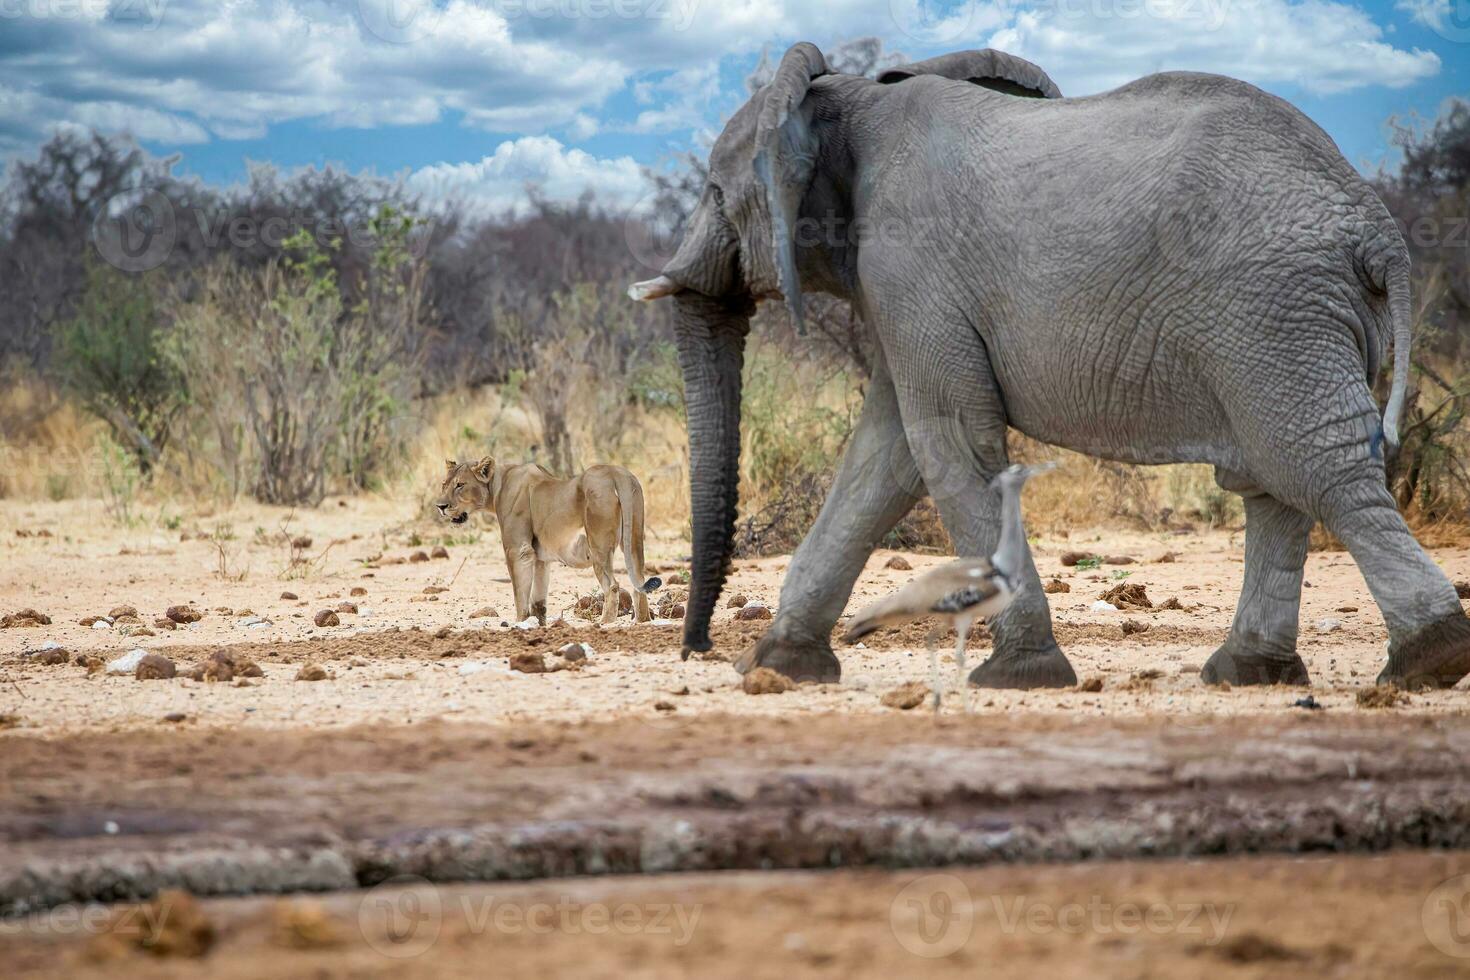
111	359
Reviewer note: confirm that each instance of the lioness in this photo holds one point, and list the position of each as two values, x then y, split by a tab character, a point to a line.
577	522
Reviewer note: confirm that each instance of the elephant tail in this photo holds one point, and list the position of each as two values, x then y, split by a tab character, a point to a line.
1400	307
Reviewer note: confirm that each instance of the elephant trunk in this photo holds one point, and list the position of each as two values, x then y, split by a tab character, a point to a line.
711	339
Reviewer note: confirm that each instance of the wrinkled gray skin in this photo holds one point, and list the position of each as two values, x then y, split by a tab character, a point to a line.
1183	269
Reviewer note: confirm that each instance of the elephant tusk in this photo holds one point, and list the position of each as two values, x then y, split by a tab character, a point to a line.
651	289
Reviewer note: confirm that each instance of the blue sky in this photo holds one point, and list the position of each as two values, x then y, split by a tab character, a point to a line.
476	98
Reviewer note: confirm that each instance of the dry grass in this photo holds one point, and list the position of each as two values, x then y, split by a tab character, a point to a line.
49	451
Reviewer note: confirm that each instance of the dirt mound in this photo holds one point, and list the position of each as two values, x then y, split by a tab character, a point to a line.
763	680
25	619
1128	595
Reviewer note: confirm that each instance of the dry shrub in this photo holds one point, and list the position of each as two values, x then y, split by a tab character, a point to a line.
294	388
47	443
1084	492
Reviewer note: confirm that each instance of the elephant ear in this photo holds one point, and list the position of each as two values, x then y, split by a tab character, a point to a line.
785	160
988	68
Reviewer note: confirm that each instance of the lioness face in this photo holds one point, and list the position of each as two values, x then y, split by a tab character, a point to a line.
466	489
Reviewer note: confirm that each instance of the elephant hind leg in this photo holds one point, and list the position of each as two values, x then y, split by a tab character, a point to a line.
1327	464
1261	647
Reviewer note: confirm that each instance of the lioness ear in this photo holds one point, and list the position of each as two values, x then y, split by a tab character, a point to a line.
484	468
451	465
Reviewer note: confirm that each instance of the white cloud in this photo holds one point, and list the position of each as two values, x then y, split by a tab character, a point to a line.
182	71
1322	46
499	181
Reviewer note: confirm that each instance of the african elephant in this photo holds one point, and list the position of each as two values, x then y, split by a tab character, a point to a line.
1184	269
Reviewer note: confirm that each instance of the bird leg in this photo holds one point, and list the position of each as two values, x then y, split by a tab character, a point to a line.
962	636
934	683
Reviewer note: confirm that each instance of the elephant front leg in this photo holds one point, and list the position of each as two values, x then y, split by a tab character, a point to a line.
1261	647
876	484
1025	652
956	425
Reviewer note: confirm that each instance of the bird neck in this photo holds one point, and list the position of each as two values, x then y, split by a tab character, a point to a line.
1007	558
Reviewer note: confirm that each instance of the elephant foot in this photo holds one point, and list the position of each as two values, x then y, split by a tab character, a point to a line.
800	660
1025	669
1236	664
1436	656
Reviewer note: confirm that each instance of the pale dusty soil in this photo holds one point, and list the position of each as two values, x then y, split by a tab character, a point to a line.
390	666
1370	917
640	762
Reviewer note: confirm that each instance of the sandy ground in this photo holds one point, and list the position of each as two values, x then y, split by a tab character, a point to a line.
423	753
1388	916
406	657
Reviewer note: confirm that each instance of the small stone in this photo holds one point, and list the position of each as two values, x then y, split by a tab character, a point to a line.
676	611
1091	685
174	717
434	590
1119	560
764	680
439	552
155	667
347	607
164	623
419	556
1132	626
127	663
312	672
245	613
906	696
51	657
326	617
184	614
663	706
899	564
290	596
91	661
1462	589
358	590
530	662
485	612
575	652
118	612
1072	558
1056	585
737	601
1167	558
753	611
1103	606
1328	625
1347	609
